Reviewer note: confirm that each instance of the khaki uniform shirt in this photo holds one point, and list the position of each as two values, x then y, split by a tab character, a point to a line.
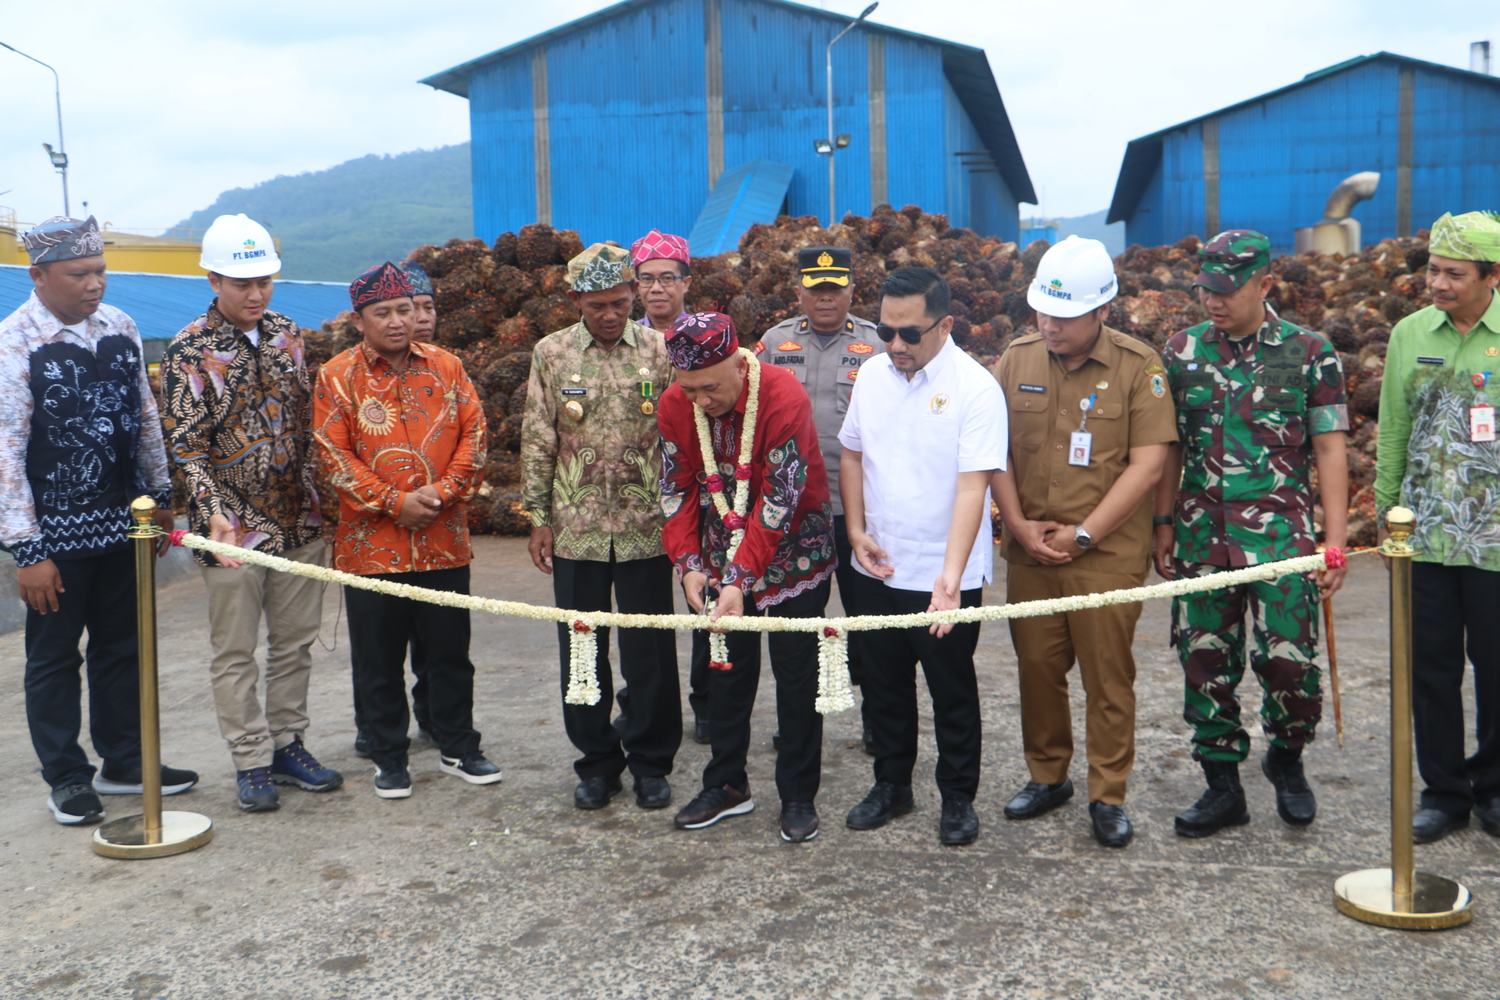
826	365
1133	409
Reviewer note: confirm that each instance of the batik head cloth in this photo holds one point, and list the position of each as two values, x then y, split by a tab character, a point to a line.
600	267
1471	236
1229	259
62	238
701	340
420	283
657	245
378	284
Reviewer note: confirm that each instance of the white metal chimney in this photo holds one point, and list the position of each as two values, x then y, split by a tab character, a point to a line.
1479	58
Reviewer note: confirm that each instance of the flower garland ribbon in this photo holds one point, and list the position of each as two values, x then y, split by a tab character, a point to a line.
832	649
583	659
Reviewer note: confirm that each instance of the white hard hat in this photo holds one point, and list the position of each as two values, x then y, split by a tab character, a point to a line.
1073	277
237	246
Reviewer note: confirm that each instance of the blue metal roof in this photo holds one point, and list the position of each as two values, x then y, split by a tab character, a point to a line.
1142	155
749	193
162	304
967	69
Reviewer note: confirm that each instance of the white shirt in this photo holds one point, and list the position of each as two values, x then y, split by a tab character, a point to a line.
916	437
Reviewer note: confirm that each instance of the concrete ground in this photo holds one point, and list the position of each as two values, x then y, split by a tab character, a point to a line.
508	891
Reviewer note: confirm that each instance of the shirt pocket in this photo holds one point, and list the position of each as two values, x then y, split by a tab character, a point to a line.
1030	417
1111	435
843	387
1278	419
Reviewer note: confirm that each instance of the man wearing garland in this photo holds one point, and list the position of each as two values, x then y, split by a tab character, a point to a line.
239	420
81	440
1260	404
750	529
590	479
1439	456
825	347
403	433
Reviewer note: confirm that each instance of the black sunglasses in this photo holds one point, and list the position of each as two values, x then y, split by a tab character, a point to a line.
910	334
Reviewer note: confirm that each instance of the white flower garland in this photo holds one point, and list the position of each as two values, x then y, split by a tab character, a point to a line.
834	691
832	649
583	661
718	648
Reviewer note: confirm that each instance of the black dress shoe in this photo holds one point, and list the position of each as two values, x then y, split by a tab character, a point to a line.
595	793
652	792
1037	798
959	824
884	803
700	730
1111	825
799	822
1429	825
1294	797
1489	817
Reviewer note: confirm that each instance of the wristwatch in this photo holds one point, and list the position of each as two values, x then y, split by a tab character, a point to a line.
1083	539
1163	520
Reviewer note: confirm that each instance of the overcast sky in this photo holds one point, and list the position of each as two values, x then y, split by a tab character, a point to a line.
168	103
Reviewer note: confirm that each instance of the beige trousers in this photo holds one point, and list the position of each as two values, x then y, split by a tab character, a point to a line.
293	607
1099	640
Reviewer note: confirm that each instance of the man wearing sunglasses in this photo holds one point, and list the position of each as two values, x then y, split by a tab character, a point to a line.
1091	422
824	347
926	430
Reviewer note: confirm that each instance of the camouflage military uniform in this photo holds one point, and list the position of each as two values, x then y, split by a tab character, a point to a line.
1246	416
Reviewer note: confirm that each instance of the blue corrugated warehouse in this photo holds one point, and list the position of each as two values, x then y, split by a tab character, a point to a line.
626	119
1431	131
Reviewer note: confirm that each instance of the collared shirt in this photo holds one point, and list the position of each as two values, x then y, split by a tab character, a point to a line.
68	488
1131	409
1433	376
383	435
826	364
916	436
1246	415
596	478
788	545
646	322
239	422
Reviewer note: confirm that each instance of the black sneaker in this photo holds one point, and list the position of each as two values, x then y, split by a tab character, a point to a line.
293	765
127	781
74	804
393	782
799	822
257	794
959	824
472	767
884	803
653	792
711	805
595	792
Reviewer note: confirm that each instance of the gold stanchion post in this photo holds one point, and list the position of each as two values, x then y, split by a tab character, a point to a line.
1400	896
153	834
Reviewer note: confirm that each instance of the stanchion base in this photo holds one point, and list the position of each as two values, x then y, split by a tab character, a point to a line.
126	838
1436	903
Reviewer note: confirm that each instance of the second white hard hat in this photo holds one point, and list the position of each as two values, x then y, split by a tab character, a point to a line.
237	246
1073	277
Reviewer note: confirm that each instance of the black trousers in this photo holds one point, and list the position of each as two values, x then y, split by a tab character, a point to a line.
1455	609
731	696
98	595
648	664
851	582
380	628
419	708
890	691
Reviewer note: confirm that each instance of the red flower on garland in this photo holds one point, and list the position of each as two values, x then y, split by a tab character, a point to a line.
742	472
830	631
715	483
580	626
175	536
717	665
1334	558
733	521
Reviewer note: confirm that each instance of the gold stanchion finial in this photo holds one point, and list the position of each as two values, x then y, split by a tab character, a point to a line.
1400	896
153	834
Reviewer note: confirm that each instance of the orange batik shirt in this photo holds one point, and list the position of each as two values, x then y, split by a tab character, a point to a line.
384	434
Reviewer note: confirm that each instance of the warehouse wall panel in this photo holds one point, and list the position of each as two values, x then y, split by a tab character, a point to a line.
501	147
917	149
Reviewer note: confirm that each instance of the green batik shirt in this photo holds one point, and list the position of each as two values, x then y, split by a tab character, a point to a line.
1246	416
1433	376
590	451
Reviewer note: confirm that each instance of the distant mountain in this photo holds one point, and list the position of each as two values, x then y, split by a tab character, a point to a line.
334	223
1092	227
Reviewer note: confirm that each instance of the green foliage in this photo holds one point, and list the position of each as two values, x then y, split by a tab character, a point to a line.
334	223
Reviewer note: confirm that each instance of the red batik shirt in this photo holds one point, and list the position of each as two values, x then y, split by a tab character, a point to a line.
788	545
384	434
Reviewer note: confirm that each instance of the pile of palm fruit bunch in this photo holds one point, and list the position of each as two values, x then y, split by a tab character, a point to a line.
496	301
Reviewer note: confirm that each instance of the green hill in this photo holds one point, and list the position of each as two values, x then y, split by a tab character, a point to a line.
334	223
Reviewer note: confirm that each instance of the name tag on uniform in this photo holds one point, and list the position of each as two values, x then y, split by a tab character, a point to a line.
1080	446
575	391
1028	387
1481	423
1428	359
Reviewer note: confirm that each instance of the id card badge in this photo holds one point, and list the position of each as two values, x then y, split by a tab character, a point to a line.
1082	445
1481	423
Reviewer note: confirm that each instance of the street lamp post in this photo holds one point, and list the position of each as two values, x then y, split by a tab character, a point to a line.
59	155
833	142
